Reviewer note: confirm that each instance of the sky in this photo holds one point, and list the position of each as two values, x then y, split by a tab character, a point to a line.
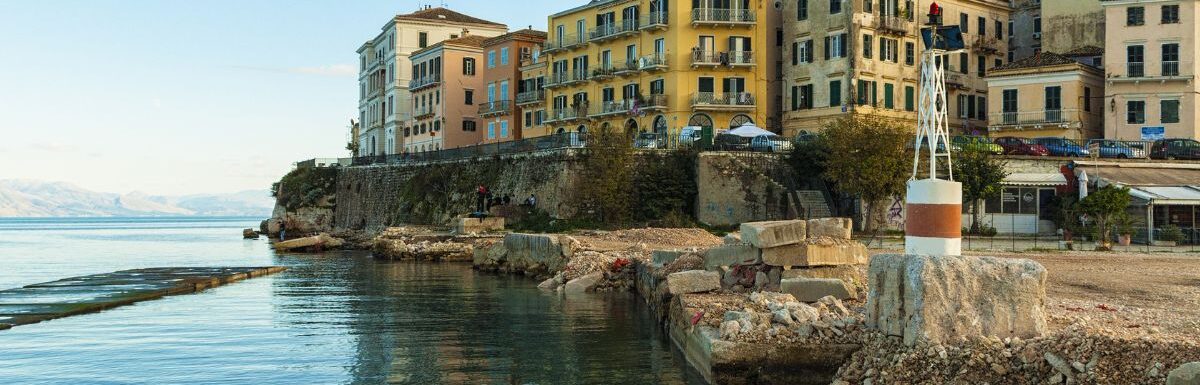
174	97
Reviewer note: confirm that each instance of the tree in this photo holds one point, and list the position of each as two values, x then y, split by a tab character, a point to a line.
1104	206
981	176
868	158
606	168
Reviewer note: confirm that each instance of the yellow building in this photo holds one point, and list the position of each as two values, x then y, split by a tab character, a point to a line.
1046	95
658	66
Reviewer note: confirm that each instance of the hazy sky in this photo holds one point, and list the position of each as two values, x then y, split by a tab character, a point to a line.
179	97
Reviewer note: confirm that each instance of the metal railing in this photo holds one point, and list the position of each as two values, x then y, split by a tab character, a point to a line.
1170	68
987	44
629	67
495	107
612	107
602	31
423	111
655	20
541	143
723	16
741	57
605	71
728	99
654	101
1020	118
566	42
702	57
893	24
1135	70
566	114
423	82
529	97
654	61
627	26
556	79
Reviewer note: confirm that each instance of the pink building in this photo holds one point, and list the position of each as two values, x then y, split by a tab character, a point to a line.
501	112
446	86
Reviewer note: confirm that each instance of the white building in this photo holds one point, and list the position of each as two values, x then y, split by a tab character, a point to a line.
385	70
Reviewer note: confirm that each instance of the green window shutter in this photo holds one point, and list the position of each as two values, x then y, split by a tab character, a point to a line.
909	102
887	96
835	93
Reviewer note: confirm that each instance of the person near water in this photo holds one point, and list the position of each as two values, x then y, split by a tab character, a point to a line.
481	200
282	230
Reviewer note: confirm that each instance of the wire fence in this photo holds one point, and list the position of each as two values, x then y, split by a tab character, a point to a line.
1166	239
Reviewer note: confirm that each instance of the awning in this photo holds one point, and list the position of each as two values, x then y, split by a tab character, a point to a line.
1168	195
1046	179
748	130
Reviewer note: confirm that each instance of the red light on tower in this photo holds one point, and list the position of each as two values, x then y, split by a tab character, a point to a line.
935	14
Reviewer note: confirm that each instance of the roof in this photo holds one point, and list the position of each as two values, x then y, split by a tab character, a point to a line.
1036	179
469	41
1087	50
527	34
1174	195
440	14
1142	174
590	4
1042	59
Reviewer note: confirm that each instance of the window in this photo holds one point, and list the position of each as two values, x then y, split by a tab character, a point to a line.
503	128
910	54
835	93
1053	104
1135	16
835	6
1170	59
802	97
1135	59
423	39
981	108
504	56
1087	99
982	21
889	96
491	59
963	21
469	66
866	93
802	10
910	98
491	132
1037	27
866	46
528	119
887	50
1170	14
657	87
835	46
1008	106
1169	111
1010	29
867	5
806	51
964	63
470	96
1011	55
1135	112
981	67
795	53
999	30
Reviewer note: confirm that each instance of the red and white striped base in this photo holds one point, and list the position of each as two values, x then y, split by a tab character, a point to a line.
933	224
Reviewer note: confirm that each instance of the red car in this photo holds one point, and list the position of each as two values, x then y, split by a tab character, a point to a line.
1021	146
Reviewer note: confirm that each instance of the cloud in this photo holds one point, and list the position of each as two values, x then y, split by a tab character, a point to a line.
333	70
53	147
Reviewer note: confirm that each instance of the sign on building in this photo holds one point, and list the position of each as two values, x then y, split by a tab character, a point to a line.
1154	133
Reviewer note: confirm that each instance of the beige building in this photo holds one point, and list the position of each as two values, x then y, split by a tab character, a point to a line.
446	95
1150	67
1057	26
531	95
499	112
1046	95
863	57
384	98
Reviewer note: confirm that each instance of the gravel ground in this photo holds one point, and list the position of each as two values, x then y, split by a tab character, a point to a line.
647	238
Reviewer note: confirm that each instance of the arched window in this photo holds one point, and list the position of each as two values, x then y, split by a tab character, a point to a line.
560	130
631	125
660	124
740	119
700	120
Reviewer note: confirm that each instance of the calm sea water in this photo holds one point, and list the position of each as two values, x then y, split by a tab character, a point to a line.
334	318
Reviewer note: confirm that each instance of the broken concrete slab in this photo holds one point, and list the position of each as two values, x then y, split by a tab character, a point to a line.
836	228
320	241
583	284
813	289
536	251
730	255
774	233
693	281
466	225
663	257
942	299
810	254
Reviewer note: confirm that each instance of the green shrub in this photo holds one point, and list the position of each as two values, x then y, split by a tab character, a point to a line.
304	187
1171	233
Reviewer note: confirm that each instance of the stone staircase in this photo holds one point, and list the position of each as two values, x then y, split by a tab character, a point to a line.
813	202
803	204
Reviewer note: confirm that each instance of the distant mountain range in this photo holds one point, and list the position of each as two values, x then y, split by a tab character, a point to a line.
32	198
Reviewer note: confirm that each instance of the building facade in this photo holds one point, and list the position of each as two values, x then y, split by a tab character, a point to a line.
863	57
499	112
658	66
531	95
1057	26
446	94
1025	29
1046	95
1150	69
384	98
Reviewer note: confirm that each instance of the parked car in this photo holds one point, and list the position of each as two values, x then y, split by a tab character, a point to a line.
1062	147
727	142
1021	146
689	136
975	143
925	145
1175	149
771	143
1108	148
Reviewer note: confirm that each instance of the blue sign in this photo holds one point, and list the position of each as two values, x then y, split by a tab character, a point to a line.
1154	133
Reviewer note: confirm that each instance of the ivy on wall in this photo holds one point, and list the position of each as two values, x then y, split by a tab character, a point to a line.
304	187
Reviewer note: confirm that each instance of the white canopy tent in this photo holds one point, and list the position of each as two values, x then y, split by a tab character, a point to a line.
748	130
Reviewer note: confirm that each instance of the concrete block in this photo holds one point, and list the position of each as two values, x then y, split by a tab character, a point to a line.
1186	374
492	223
693	281
837	228
813	289
773	234
663	257
583	284
729	255
527	250
805	254
943	299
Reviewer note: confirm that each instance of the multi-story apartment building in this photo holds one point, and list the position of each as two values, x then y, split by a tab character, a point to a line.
500	112
446	86
531	95
863	57
384	98
658	65
1150	69
1046	95
1058	26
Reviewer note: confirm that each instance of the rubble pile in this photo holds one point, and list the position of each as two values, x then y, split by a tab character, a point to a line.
420	244
1075	355
778	318
652	237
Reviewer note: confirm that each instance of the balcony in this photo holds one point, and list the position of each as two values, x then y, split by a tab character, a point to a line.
496	108
563	79
1169	71
655	20
423	112
654	102
955	80
425	82
601	32
576	77
612	107
630	67
1170	68
716	59
531	97
987	45
604	72
731	17
653	62
1035	120
628	27
893	25
1136	70
568	114
555	80
564	43
723	101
